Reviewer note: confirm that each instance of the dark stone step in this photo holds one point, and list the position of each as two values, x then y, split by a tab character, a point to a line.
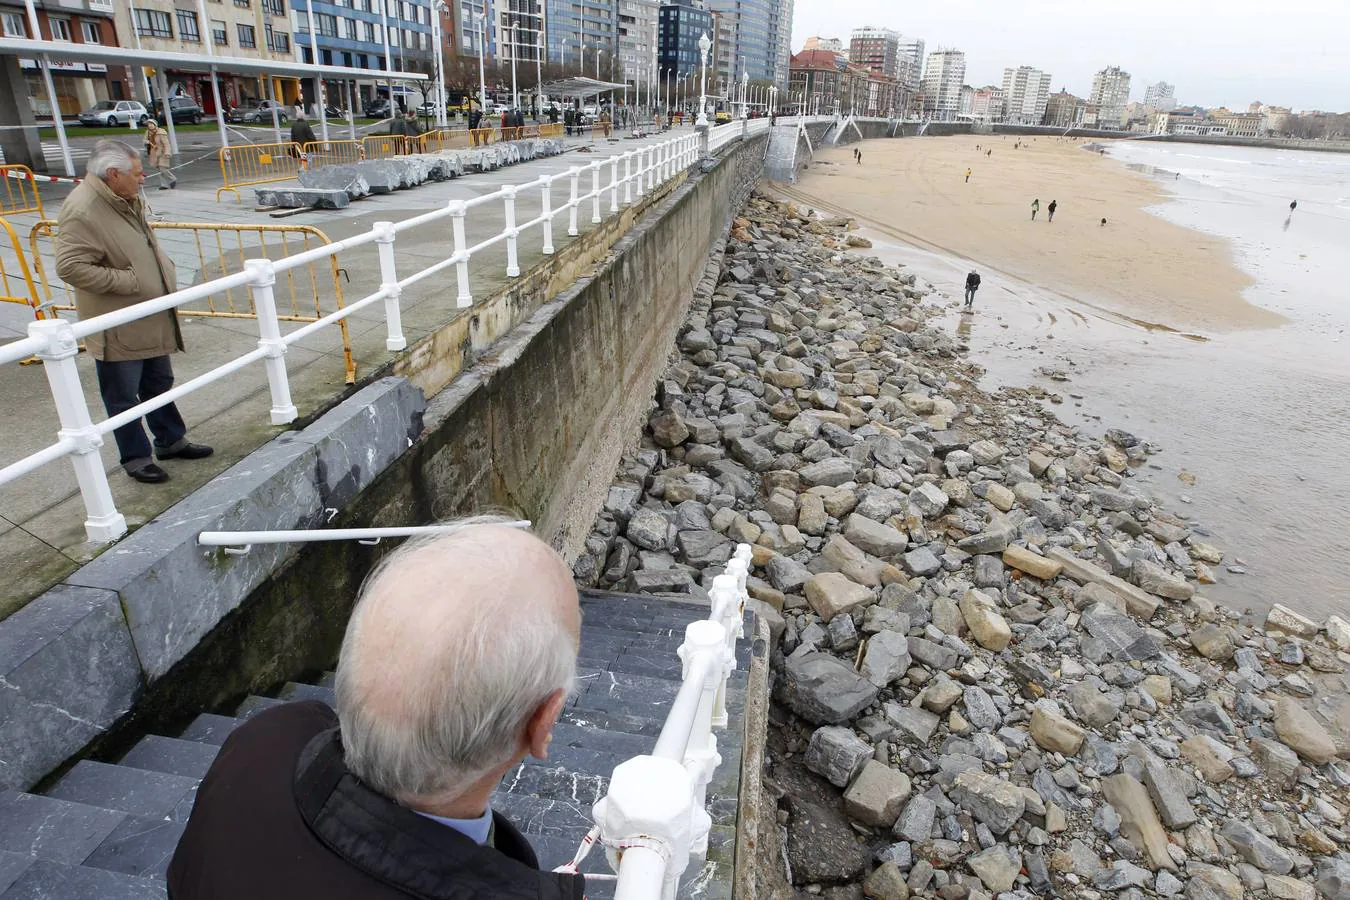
293	691
45	879
173	756
209	728
141	846
574	733
12	865
137	792
254	704
554	782
57	830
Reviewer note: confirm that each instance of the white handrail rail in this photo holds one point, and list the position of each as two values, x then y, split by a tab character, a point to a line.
56	341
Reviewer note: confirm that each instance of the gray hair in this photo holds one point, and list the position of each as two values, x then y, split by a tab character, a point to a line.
465	714
109	154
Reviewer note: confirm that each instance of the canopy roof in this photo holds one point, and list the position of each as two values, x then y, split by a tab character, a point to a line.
60	51
580	86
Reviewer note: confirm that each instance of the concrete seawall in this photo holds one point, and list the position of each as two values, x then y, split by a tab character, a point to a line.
527	405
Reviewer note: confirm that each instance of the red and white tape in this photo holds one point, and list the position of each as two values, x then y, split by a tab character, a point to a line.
31	176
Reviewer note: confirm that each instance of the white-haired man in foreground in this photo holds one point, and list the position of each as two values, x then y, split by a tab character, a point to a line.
456	665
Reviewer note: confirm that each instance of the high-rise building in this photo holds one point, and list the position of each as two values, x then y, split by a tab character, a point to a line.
909	63
576	28
681	24
518	29
877	49
1026	92
780	41
943	77
637	42
1161	97
1110	95
755	31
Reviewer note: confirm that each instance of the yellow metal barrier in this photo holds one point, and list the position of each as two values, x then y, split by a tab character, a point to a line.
221	250
332	153
248	164
385	146
18	191
548	131
16	278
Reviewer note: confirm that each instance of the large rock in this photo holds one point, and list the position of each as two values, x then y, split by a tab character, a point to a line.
873	537
1212	642
916	819
836	754
1156	580
992	800
336	178
1212	883
833	472
1283	619
824	690
921	561
1169	799
1138	819
997	868
1302	733
648	529
1033	564
928	499
886	658
1256	848
702	548
877	795
668	429
913	724
1053	732
986	624
299	198
1122	636
787	575
830	594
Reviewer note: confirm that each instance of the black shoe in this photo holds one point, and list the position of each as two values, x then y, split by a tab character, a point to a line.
163	187
187	451
149	474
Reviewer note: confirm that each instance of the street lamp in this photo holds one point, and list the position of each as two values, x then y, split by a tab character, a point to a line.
704	45
745	92
515	92
482	79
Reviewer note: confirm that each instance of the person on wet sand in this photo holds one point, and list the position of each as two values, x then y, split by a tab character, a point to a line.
1103	221
1035	208
1051	210
972	285
967	176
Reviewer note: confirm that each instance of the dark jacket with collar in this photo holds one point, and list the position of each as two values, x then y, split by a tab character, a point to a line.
279	816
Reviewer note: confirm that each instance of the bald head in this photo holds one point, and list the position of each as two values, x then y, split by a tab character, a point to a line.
455	645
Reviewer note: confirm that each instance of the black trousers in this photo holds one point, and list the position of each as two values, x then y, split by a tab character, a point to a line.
126	383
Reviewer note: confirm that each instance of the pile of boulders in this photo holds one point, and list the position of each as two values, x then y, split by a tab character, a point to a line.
987	641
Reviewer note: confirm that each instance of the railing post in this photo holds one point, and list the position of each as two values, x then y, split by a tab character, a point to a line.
614	184
700	756
595	194
650	808
628	178
457	211
102	520
572	203
512	262
393	314
269	338
546	201
704	133
642	171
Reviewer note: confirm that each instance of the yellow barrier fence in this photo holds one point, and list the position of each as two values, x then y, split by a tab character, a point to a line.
18	191
332	153
16	278
248	164
385	146
548	131
301	293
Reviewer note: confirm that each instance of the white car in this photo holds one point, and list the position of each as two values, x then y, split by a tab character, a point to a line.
115	112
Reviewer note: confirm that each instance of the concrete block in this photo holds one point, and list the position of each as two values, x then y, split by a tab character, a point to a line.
297	198
356	441
382	177
174	592
69	670
336	178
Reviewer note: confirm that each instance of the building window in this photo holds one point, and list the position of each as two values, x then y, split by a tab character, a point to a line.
242	4
274	7
277	41
92	33
153	23
14	25
219	35
370	33
247	36
187	26
327	24
60	28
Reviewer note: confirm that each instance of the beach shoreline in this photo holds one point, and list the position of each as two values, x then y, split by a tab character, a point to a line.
1151	272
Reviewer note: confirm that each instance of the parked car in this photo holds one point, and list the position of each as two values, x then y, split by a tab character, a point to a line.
377	108
260	113
115	112
185	109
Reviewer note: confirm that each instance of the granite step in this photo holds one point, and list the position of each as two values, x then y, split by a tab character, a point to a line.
58	830
44	879
141	846
210	728
136	792
173	756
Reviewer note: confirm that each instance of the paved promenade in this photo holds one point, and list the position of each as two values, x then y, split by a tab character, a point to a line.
41	516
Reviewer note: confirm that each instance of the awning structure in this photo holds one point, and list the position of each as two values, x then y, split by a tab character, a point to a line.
59	51
580	86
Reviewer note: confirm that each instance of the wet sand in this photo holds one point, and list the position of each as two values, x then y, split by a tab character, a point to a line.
1154	273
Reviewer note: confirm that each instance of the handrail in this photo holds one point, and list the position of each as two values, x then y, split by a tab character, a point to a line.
56	341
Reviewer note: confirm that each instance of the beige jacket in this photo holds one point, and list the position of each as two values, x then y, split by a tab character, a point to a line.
107	252
157	148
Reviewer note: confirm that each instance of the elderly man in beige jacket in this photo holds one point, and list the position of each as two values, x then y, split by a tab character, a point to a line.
107	252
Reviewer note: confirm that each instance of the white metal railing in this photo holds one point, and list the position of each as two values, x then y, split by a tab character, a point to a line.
619	179
653	820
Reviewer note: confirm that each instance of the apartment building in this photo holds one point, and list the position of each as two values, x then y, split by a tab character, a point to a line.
1064	110
78	85
825	82
353	33
943	77
989	104
637	42
1160	97
681	25
751	44
1110	95
1026	91
877	49
909	63
576	24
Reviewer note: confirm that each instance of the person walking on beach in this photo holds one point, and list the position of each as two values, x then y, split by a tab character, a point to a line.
1035	208
967	176
972	285
1051	210
161	160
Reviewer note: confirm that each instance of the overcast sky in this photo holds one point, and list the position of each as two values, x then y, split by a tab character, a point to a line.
1216	52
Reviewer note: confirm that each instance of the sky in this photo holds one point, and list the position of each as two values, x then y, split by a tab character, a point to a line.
1216	52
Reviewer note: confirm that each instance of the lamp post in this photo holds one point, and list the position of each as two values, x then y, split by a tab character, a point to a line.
539	52
745	92
704	45
440	71
482	79
773	101
515	92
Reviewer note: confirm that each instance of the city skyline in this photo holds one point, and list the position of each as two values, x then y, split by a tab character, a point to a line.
1299	63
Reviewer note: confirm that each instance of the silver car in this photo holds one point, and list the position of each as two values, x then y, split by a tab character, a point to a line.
112	113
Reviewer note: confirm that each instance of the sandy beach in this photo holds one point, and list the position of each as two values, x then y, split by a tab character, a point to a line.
1150	271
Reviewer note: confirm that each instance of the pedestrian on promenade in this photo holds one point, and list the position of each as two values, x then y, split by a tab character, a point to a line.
967	176
972	285
157	151
1054	204
389	796
1103	221
107	252
302	133
1035	208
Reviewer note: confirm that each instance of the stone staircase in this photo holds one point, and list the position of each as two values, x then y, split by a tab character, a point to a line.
108	831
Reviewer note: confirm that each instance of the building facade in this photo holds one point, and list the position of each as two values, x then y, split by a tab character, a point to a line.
824	82
909	63
831	45
751	46
78	85
637	41
576	24
1064	110
989	104
353	33
780	41
1027	91
877	49
1110	95
943	77
1160	97
681	25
